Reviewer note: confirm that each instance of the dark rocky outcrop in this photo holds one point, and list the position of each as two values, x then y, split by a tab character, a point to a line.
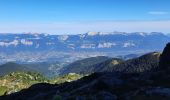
165	58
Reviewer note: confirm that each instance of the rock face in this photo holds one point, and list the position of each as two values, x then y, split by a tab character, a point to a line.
165	57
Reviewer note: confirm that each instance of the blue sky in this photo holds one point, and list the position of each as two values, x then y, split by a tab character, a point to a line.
80	16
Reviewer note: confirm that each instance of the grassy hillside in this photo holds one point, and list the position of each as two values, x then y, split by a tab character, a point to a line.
65	78
16	81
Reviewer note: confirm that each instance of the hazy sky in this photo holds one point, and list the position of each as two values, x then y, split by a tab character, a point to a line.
80	16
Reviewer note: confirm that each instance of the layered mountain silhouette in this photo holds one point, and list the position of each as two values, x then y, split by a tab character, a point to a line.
103	64
152	83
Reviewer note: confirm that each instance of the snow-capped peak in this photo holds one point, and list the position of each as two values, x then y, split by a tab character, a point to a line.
92	33
139	33
122	33
142	34
63	37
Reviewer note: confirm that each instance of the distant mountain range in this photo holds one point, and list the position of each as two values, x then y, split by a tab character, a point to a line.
34	47
93	41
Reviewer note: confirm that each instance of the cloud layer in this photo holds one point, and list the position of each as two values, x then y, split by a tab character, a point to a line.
158	13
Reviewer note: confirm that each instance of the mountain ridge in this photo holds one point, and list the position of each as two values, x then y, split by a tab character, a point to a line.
139	64
12	67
